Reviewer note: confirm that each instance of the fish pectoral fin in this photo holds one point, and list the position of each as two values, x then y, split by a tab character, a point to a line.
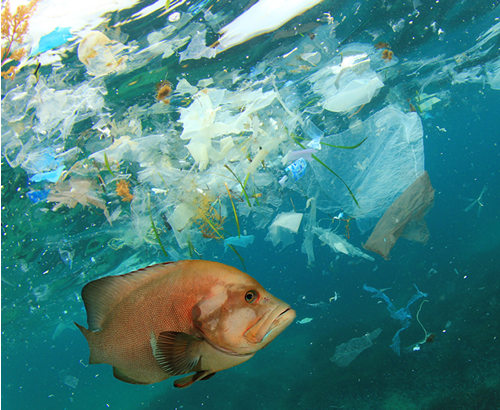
177	353
124	378
189	380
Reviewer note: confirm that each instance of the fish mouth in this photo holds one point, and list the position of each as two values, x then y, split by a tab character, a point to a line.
271	324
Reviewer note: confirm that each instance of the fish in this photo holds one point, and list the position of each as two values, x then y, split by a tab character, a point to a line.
188	317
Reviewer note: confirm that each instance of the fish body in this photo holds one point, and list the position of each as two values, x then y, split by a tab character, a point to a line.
177	318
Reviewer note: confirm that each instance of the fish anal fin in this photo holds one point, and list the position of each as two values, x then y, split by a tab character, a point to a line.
177	353
124	378
189	380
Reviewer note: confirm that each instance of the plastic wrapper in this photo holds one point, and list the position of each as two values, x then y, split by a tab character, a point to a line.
347	352
283	228
403	315
262	17
307	245
377	171
339	244
101	55
405	218
58	110
242	241
348	83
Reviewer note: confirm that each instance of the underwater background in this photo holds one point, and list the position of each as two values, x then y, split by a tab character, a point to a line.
66	221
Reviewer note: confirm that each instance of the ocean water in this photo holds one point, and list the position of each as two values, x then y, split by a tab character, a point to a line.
446	50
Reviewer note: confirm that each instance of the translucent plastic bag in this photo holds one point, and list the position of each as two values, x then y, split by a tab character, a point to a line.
378	171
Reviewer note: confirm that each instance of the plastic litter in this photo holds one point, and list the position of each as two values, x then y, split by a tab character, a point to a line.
403	314
347	352
101	55
263	17
395	142
56	38
348	82
294	171
52	176
283	228
405	218
243	241
67	379
339	244
307	245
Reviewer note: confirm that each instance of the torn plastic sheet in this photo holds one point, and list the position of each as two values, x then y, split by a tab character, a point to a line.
403	314
339	244
283	228
307	245
263	17
243	241
345	353
377	171
101	55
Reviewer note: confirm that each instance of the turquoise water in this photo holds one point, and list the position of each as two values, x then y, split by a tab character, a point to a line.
446	50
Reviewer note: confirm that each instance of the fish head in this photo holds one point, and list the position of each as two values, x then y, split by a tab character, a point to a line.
239	316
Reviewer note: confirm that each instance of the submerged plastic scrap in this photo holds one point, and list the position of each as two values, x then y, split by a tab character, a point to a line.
54	39
283	228
51	176
243	241
377	171
67	379
493	73
307	245
405	217
76	192
425	102
403	314
339	244
347	352
347	84
58	110
101	55
263	17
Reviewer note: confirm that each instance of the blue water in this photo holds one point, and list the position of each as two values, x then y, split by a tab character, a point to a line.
48	256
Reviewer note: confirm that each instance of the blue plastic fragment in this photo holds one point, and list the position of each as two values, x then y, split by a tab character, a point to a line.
54	39
52	176
242	241
403	314
37	196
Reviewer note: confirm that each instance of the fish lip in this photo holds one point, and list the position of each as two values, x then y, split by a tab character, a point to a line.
279	317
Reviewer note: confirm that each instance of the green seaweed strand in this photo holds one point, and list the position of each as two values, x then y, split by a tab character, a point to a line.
239	256
234	210
329	169
340	146
106	162
242	185
155	231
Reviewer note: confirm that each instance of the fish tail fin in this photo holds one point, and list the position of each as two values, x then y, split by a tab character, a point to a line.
90	336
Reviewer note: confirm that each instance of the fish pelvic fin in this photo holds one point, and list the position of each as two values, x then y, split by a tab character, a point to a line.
189	380
177	353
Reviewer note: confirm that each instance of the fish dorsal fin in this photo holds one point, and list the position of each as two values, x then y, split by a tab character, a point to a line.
189	380
177	353
102	295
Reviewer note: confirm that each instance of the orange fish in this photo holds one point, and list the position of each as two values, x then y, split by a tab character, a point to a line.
176	318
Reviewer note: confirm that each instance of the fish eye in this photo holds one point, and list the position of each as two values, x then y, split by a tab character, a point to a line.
251	296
